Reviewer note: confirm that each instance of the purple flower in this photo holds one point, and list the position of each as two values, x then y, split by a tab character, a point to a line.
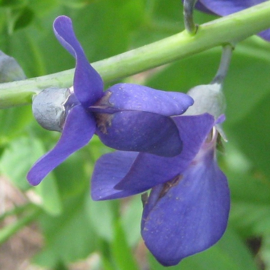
188	207
125	117
226	7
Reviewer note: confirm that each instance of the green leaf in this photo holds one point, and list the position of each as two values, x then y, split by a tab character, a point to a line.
160	11
122	253
101	217
13	3
17	159
131	220
72	175
99	24
68	237
13	122
252	134
25	43
181	76
25	18
48	191
243	179
265	251
249	219
76	3
43	7
15	163
229	253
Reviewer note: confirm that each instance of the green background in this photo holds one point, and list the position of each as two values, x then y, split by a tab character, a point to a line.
73	226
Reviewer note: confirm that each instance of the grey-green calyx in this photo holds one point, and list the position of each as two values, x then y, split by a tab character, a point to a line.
207	99
49	107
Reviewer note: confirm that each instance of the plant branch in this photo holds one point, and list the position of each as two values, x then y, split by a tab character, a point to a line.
229	29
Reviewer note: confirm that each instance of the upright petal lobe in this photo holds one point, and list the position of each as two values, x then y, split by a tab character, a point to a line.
88	85
78	130
141	98
188	217
141	132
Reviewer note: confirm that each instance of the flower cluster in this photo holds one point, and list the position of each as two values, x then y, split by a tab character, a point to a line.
126	117
188	206
165	145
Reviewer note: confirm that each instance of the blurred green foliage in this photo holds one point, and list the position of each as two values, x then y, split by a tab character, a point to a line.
73	226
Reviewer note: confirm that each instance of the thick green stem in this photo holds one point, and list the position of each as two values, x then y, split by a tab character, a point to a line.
229	29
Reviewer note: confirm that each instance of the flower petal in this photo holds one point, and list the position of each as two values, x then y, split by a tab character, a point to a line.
265	34
190	217
139	131
201	7
141	98
78	130
149	170
226	7
88	85
109	170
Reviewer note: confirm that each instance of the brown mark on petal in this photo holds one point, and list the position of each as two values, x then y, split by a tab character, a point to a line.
168	185
104	121
144	198
104	101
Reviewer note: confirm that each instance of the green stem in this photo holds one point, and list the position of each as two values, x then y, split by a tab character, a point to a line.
10	230
229	29
15	211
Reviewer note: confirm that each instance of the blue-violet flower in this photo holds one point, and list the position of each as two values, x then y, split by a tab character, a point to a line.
188	207
126	117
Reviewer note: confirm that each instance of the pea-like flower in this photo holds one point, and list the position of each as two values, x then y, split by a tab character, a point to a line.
227	7
126	117
189	213
188	206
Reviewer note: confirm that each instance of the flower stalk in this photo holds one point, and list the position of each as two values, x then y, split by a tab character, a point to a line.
224	64
226	30
188	16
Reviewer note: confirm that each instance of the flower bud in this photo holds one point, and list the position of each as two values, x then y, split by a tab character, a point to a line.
207	99
49	107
